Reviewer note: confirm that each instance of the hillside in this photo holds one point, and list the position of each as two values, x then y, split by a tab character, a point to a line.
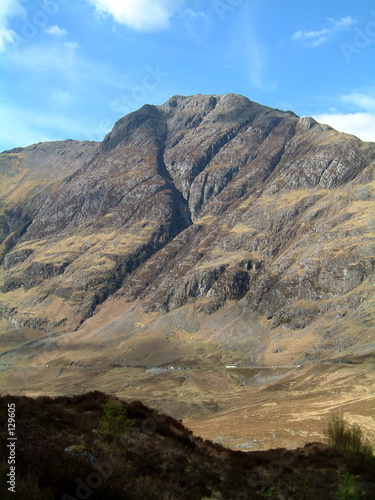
64	450
209	199
28	176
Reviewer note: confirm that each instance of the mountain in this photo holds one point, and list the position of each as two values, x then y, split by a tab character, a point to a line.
207	231
209	199
28	176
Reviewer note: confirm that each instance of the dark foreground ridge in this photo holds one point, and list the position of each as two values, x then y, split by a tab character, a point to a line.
93	446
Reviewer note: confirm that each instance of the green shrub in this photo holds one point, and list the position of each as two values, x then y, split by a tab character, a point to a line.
347	488
347	438
284	319
115	421
271	492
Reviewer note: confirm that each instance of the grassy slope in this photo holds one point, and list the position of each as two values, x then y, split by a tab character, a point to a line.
157	459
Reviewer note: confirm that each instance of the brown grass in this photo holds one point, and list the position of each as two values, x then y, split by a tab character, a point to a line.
157	458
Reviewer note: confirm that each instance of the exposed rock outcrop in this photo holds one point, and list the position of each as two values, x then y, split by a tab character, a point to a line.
27	178
210	199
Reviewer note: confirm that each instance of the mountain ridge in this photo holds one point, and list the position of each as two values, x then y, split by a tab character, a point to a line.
205	200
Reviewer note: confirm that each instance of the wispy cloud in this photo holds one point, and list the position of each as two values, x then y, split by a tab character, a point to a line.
55	31
193	14
7	37
318	37
140	15
9	9
22	126
54	98
360	100
257	62
54	58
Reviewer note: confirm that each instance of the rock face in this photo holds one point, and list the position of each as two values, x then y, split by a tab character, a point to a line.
27	178
205	199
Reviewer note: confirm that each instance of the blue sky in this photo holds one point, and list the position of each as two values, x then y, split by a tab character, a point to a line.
71	68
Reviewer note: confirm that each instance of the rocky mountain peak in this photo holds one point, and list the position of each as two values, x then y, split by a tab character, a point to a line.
205	199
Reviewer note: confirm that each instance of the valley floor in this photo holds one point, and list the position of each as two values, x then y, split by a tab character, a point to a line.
258	407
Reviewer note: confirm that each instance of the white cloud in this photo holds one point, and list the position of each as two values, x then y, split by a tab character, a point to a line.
359	100
7	37
316	38
9	9
141	15
360	124
55	31
353	112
